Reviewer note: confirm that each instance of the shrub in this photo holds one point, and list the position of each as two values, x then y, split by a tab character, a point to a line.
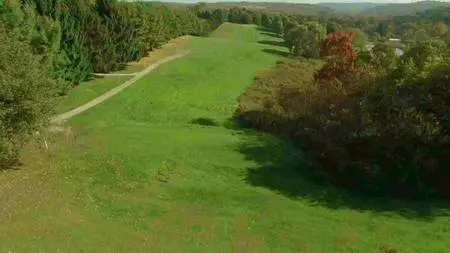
26	95
273	99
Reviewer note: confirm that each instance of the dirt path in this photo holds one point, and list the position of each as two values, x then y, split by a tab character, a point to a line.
100	99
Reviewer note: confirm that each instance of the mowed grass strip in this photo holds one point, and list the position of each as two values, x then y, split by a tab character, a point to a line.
87	91
160	168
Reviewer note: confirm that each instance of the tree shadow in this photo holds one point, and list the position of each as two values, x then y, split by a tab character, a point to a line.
122	66
273	43
10	163
271	34
276	52
204	122
283	168
91	77
238	124
264	29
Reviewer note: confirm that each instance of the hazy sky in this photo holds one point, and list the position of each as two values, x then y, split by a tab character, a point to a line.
298	1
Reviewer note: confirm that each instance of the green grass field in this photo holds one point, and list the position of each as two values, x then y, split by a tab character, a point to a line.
160	168
86	91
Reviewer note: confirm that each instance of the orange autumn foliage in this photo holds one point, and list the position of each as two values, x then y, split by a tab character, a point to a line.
341	57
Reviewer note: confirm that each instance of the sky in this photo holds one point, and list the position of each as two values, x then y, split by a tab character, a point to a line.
299	1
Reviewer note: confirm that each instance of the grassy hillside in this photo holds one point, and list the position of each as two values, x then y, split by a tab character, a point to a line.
161	168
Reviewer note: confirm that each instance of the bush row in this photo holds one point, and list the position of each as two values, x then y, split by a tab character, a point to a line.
375	123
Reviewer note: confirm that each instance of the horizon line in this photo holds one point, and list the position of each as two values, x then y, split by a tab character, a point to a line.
297	2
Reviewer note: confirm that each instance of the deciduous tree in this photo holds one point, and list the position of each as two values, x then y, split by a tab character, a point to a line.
440	29
26	94
340	55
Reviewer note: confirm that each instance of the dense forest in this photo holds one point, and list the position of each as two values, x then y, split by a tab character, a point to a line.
368	118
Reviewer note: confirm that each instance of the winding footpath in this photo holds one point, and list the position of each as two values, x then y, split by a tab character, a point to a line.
67	115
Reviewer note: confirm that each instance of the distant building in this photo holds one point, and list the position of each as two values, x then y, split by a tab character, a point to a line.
398	51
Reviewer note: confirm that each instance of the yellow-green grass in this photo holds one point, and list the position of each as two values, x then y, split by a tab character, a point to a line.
160	168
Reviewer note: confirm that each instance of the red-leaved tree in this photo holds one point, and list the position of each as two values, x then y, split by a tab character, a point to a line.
340	57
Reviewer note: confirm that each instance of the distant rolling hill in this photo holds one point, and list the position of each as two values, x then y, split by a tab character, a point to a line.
286	8
308	9
404	9
351	8
324	8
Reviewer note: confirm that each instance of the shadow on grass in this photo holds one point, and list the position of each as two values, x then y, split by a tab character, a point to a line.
10	164
263	29
88	79
276	52
283	168
273	43
271	34
204	122
10	161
